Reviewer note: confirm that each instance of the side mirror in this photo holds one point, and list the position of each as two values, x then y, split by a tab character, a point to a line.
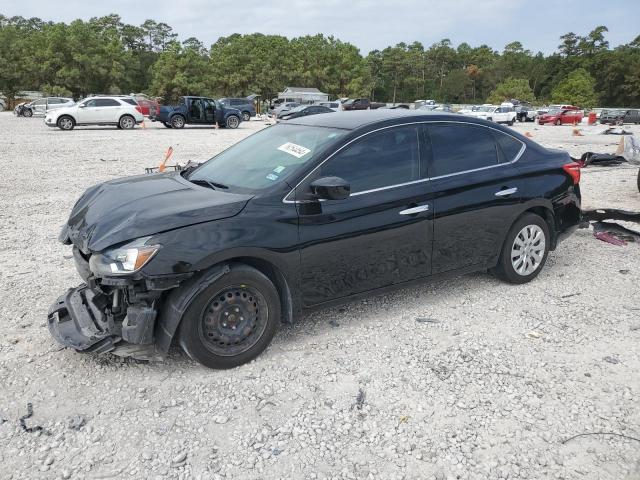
82	105
331	188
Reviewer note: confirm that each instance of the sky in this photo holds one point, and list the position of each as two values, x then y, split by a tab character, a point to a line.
368	24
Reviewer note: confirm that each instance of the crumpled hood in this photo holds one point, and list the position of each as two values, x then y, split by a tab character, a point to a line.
119	210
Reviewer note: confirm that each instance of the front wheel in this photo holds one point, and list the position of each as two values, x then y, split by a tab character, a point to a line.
65	123
28	112
525	250
510	123
232	320
232	122
246	116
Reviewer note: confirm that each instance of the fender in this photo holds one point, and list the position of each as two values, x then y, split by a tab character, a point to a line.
177	302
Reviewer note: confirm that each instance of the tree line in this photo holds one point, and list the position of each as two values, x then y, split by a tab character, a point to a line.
105	55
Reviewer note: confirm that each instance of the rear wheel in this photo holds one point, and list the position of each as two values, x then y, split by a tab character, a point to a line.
232	121
167	124
232	321
65	123
177	121
525	250
127	122
246	116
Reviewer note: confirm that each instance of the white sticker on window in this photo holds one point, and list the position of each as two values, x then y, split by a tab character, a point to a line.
272	177
297	151
279	169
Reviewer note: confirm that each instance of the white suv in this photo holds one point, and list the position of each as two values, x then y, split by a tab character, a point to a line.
123	112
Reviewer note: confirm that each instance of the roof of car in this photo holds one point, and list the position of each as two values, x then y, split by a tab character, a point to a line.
360	118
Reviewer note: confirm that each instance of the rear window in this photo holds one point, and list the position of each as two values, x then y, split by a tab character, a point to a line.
509	147
130	101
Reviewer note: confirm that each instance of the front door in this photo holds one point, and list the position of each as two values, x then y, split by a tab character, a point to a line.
476	189
196	111
89	112
381	234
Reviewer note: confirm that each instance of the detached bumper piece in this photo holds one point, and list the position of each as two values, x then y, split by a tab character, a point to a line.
76	321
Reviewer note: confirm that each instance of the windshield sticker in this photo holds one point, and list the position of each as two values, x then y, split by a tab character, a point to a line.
272	177
279	169
297	151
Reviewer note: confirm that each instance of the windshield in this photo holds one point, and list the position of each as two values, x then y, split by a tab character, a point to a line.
486	109
554	111
267	157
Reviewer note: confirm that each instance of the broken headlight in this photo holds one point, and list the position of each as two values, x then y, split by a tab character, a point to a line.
124	260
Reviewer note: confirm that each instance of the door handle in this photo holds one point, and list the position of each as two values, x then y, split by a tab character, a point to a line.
414	210
506	191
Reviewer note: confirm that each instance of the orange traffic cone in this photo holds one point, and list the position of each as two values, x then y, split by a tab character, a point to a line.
143	125
577	133
167	156
528	134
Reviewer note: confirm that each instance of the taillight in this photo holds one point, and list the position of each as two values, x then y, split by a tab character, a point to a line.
139	108
573	169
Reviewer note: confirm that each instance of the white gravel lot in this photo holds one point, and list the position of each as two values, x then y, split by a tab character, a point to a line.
490	389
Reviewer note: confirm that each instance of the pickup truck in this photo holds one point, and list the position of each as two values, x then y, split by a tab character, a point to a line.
361	104
197	111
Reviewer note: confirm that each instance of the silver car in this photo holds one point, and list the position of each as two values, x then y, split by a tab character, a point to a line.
43	105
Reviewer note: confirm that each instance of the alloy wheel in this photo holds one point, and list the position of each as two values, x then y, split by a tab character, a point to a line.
527	251
232	122
65	123
127	123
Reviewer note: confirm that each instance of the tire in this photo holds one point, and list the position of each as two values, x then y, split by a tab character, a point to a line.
639	180
127	122
242	299
65	122
489	119
526	231
232	122
167	124
177	121
28	112
510	123
246	116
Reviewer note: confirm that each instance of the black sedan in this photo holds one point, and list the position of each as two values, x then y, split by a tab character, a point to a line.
304	214
304	111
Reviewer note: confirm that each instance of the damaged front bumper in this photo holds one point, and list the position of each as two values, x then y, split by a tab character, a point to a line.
116	315
84	321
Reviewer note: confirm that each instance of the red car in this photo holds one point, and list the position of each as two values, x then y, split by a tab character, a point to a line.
561	116
146	103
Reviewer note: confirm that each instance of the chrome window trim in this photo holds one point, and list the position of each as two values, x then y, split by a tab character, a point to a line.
424	122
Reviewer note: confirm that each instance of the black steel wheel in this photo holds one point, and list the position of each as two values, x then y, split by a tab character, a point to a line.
232	320
246	116
28	112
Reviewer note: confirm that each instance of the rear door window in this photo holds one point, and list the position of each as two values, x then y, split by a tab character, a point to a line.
508	147
106	102
459	148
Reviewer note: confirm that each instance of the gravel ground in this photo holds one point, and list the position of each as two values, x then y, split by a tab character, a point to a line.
465	379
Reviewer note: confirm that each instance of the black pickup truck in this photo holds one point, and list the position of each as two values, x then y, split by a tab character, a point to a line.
198	111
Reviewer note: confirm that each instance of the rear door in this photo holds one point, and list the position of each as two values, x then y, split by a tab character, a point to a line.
382	233
476	191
